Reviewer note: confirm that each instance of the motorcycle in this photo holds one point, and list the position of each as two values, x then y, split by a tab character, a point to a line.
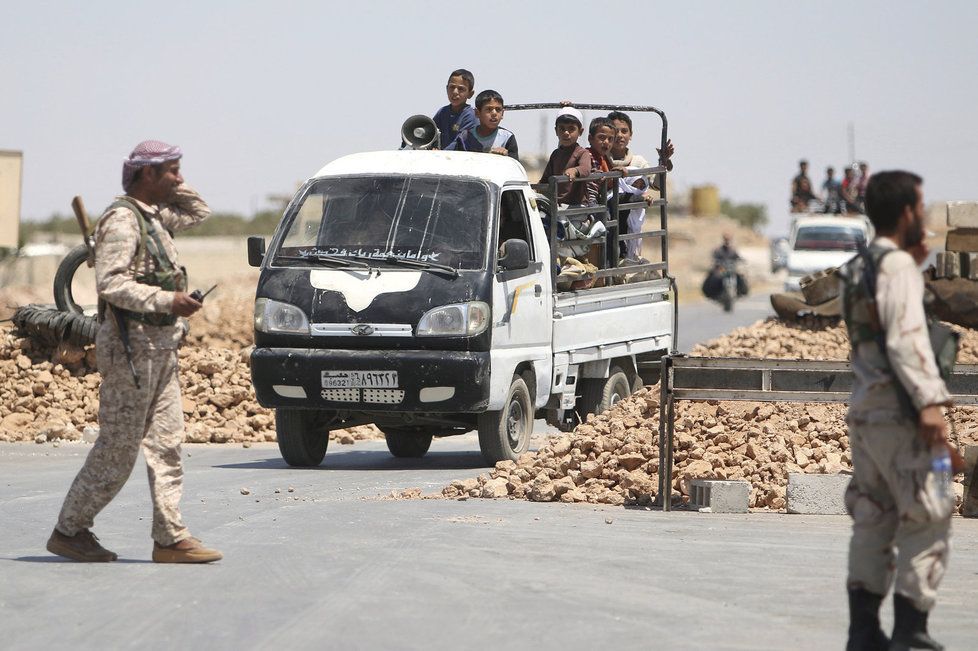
725	284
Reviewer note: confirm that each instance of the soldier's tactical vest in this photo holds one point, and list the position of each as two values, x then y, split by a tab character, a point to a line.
860	312
165	275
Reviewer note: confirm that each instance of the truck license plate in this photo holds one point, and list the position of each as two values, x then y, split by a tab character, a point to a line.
359	379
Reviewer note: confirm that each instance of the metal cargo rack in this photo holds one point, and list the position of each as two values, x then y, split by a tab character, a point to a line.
608	207
762	380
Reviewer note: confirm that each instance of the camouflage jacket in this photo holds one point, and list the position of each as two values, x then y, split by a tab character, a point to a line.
117	239
909	356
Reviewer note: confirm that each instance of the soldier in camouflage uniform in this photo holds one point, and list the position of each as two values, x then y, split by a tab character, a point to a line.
142	292
896	418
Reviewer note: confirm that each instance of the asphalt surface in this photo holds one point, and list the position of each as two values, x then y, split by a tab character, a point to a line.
318	559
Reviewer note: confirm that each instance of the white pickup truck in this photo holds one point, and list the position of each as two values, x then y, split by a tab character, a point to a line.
819	242
416	290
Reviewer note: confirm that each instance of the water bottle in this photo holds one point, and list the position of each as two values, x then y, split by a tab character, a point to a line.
940	465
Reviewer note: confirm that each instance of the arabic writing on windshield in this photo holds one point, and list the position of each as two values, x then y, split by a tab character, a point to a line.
425	219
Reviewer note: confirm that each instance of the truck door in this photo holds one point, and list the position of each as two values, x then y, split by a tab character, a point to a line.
521	307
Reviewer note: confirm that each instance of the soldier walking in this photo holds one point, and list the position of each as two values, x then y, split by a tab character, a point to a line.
900	506
142	291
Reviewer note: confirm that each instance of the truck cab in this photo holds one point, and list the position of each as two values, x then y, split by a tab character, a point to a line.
819	242
415	290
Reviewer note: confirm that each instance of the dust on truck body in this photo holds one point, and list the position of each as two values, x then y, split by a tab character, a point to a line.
415	290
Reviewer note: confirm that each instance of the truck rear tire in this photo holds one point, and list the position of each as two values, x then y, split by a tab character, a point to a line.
505	434
407	444
301	440
598	395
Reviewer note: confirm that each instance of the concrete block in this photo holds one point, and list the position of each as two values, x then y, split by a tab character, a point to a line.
962	214
719	495
821	286
947	264
969	266
817	494
962	239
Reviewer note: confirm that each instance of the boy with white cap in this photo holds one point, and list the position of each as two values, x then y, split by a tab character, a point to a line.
569	158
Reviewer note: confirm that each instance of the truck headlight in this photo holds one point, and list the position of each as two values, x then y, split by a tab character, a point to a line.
277	317
459	319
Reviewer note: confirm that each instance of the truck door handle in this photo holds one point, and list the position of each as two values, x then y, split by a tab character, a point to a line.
537	290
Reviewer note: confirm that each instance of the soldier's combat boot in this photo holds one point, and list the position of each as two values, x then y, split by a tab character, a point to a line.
910	627
83	546
188	550
865	633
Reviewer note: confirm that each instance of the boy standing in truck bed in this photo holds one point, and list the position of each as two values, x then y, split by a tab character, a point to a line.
488	137
569	158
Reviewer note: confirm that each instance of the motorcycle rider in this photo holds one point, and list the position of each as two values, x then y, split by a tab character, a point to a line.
725	257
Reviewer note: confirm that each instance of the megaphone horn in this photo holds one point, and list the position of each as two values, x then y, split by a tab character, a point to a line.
419	132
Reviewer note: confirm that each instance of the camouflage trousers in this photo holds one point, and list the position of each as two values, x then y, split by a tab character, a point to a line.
901	522
150	418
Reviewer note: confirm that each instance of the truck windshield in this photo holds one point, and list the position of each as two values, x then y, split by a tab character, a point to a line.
426	219
828	238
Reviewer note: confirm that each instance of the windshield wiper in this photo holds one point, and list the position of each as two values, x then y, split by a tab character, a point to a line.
430	266
331	259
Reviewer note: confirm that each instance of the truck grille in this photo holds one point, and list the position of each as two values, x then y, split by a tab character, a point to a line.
373	396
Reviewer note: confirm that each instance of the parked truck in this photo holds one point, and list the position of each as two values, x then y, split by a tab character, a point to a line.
418	290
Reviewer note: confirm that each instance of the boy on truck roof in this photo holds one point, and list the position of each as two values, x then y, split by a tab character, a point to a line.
488	137
457	115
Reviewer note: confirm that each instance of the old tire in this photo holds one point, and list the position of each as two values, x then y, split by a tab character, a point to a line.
407	444
301	440
505	434
63	297
598	395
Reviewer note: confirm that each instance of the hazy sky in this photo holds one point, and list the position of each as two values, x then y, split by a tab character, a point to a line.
260	95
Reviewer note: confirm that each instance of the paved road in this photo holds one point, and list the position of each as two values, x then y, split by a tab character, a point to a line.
332	566
705	320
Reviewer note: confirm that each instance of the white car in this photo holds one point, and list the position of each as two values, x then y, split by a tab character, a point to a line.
822	241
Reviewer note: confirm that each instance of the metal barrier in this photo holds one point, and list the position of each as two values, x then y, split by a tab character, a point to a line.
762	380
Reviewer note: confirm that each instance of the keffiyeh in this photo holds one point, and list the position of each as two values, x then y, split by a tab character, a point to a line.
148	152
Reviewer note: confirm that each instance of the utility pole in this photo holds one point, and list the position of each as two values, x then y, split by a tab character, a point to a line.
852	143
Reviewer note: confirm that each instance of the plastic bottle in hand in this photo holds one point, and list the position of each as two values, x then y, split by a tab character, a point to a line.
940	465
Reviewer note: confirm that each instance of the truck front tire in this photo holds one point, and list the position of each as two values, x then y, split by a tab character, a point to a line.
301	440
505	434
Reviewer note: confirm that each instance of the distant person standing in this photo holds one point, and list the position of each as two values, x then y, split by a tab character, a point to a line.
861	182
142	291
457	115
897	431
832	191
850	192
801	189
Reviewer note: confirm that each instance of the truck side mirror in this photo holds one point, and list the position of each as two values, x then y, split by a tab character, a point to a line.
256	250
514	254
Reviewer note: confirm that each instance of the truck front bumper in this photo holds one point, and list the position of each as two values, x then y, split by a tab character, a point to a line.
427	381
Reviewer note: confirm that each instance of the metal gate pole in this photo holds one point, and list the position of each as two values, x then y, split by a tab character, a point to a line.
666	415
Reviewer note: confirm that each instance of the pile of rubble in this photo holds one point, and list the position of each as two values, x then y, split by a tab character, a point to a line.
49	394
778	339
613	458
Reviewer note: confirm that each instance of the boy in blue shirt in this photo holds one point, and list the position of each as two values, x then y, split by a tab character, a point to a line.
488	137
457	115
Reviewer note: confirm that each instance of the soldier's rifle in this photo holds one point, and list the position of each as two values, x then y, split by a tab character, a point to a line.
120	320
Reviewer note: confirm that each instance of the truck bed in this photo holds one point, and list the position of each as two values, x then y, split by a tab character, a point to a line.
630	318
